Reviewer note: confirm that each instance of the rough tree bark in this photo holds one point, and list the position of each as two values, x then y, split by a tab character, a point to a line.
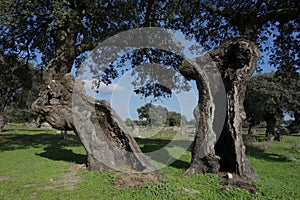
103	134
236	60
204	159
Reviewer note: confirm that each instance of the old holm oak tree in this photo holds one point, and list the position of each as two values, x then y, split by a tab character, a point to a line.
233	31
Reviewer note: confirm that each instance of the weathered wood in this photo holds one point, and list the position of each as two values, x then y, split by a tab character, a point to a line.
236	61
104	135
204	159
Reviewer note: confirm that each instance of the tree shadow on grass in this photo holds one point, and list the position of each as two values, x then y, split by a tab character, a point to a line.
56	152
55	147
259	153
154	148
52	144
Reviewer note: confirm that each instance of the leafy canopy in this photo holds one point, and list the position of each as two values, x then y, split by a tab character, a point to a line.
272	93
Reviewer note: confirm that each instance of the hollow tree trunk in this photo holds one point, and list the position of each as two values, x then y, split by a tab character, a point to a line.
104	135
236	61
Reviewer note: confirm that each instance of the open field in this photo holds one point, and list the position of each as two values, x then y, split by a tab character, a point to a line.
38	164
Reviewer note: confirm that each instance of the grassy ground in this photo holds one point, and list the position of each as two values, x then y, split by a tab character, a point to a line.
38	164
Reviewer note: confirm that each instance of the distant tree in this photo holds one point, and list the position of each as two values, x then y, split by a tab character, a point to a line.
15	78
154	114
269	95
159	115
289	78
262	102
19	110
141	122
143	112
174	119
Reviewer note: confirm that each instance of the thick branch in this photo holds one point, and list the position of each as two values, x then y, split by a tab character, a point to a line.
281	15
147	20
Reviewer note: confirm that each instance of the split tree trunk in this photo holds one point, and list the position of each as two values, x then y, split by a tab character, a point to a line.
104	135
236	61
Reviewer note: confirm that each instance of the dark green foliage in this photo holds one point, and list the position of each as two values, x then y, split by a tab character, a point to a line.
69	28
263	96
15	75
159	115
213	21
16	79
270	95
289	78
154	114
174	119
141	122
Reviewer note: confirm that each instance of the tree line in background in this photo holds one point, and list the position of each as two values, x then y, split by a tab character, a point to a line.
157	115
20	84
270	96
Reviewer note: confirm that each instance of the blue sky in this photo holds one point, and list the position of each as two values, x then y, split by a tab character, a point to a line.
122	98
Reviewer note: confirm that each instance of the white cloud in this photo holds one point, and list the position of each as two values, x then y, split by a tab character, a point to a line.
114	87
103	89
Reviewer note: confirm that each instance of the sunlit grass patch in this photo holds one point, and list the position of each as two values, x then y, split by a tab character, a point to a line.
39	164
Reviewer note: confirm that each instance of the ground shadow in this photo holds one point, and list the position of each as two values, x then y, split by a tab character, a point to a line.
56	152
149	145
9	142
259	153
52	144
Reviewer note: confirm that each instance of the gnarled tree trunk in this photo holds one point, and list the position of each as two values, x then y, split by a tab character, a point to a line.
108	143
236	61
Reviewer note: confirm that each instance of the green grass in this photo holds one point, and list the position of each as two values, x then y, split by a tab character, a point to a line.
38	164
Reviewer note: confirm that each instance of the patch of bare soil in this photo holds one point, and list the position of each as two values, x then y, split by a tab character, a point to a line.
5	178
68	180
190	191
235	180
134	180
